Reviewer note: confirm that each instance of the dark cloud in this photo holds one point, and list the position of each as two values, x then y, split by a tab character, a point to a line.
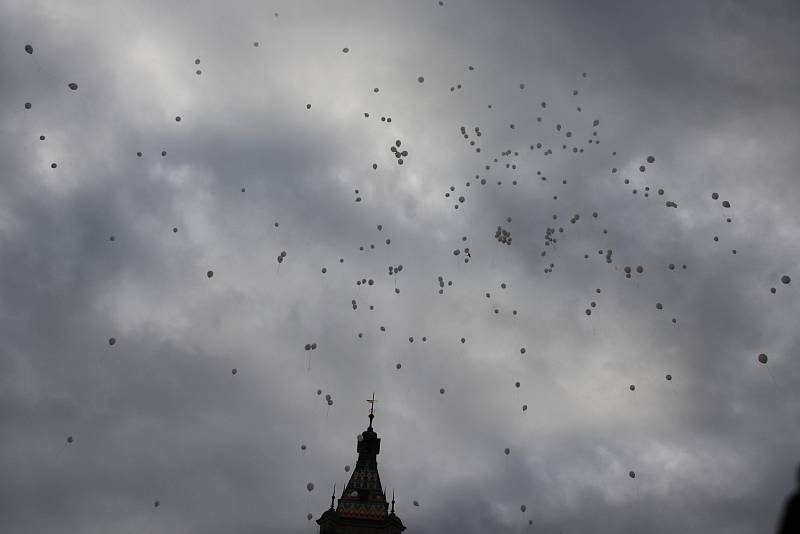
709	91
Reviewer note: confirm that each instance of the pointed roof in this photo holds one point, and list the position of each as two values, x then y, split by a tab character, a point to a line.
363	496
362	506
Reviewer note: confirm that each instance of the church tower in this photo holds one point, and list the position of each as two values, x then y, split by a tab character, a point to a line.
363	508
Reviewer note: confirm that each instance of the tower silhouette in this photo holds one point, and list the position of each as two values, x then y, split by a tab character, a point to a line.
362	507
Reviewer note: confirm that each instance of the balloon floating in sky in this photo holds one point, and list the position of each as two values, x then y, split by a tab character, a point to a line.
112	341
631	474
73	86
310	486
29	49
763	358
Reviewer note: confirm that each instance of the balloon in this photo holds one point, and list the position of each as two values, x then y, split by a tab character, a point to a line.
345	50
309	516
73	86
27	105
302	447
416	503
347	469
785	279
516	384
156	504
398	366
210	274
726	204
650	159
507	451
524	407
69	439
310	486
763	358
669	377
659	306
441	391
421	79
29	49
633	388
715	196
631	474
234	371
523	508
112	341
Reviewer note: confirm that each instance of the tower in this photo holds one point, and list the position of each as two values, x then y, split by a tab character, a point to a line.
363	508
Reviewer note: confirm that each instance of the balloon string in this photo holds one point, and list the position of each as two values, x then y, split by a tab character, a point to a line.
771	377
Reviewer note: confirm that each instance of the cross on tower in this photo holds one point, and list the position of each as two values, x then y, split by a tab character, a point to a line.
372	402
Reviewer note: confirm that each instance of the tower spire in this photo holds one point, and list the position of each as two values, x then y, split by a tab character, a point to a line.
392	500
371	402
333	495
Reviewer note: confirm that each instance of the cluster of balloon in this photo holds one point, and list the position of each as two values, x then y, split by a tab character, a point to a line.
398	154
502	235
629	271
442	284
281	256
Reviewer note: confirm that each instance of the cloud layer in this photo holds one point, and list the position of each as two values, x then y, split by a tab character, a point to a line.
251	171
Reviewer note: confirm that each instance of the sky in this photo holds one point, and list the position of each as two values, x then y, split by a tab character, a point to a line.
155	309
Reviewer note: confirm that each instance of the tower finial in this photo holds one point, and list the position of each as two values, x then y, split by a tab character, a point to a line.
333	495
392	500
372	402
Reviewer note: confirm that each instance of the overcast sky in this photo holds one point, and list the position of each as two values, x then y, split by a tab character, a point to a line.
109	244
